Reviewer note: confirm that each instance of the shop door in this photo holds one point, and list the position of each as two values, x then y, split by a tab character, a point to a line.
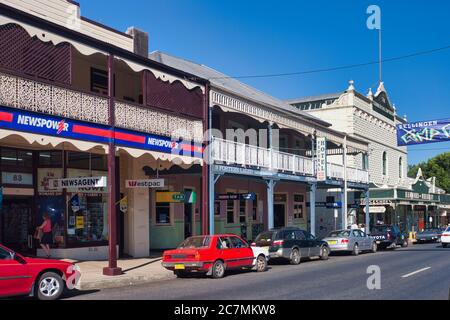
16	224
279	211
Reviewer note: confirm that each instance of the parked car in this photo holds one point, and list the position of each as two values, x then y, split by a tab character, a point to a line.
445	237
388	236
354	241
42	278
213	256
292	244
429	235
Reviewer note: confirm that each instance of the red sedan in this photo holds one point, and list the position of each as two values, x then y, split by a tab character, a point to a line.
213	255
41	278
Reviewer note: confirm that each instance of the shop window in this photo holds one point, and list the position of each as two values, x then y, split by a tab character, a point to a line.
50	159
87	161
87	219
298	206
242	211
330	199
162	210
16	158
217	208
230	211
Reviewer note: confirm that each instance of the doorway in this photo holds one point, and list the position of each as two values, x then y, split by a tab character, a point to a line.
17	224
188	208
279	211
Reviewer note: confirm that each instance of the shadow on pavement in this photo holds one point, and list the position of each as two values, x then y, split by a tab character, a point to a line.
75	293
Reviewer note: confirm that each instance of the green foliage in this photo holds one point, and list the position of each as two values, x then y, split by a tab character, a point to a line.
438	167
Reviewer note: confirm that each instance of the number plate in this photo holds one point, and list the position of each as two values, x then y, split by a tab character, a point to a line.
179	267
332	242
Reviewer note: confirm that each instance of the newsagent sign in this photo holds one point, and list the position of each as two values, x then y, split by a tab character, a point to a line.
423	132
78	183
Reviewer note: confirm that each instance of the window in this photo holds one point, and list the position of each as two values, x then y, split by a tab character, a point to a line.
99	81
242	211
87	161
50	159
230	211
400	168
365	162
309	236
196	242
330	199
217	208
299	235
385	163
298	206
162	210
4	254
16	158
289	235
238	243
224	243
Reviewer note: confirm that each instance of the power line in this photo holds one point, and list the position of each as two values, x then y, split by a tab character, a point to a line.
350	66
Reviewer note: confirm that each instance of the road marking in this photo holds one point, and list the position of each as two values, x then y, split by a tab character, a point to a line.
415	272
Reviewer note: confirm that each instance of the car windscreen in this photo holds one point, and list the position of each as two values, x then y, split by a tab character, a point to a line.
448	229
339	234
195	243
381	229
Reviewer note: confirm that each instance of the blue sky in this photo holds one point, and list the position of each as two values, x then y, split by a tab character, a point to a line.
253	37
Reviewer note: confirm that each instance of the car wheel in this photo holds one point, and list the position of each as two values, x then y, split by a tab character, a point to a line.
50	286
324	253
355	251
261	263
218	270
374	248
295	257
180	273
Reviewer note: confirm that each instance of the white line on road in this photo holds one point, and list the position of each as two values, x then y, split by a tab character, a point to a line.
415	272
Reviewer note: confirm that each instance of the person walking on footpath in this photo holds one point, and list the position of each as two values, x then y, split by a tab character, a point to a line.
47	235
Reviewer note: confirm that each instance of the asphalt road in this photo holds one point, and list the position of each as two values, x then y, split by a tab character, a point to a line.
417	272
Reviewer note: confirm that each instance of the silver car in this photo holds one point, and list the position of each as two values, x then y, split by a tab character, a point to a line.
354	241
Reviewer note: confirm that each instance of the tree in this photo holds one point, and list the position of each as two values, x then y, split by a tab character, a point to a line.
438	167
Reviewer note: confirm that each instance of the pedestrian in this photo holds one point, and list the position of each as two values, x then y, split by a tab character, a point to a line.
47	235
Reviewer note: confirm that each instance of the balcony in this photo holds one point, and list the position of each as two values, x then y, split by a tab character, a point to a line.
18	91
234	153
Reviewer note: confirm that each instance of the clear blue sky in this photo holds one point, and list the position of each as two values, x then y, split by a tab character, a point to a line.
241	37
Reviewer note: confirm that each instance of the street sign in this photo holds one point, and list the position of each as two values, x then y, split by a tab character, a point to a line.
236	196
321	155
152	183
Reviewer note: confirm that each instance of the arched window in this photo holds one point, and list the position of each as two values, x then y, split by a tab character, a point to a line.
385	163
400	168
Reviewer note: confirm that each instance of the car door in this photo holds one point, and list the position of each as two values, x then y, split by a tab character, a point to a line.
366	240
301	241
242	254
225	252
14	276
313	244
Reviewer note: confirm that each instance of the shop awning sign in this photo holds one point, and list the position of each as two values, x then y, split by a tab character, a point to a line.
176	197
321	155
138	184
78	183
236	196
376	209
423	132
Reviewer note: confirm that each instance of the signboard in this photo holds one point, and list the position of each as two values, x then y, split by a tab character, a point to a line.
79	224
376	209
423	132
44	175
236	196
25	121
176	197
321	157
17	178
135	184
78	183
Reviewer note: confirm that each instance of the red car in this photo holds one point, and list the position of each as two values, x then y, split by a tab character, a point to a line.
41	278
213	255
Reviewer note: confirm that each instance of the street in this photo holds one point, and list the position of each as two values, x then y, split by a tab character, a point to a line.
416	272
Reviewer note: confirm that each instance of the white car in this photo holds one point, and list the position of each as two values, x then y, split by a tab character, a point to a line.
445	238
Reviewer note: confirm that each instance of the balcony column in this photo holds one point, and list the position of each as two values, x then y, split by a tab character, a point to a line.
206	164
112	269
344	189
312	206
210	172
367	203
270	215
270	146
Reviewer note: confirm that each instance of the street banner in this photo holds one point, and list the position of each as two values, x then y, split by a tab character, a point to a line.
321	156
78	183
423	132
136	184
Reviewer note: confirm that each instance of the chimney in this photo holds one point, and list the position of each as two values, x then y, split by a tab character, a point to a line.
140	40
